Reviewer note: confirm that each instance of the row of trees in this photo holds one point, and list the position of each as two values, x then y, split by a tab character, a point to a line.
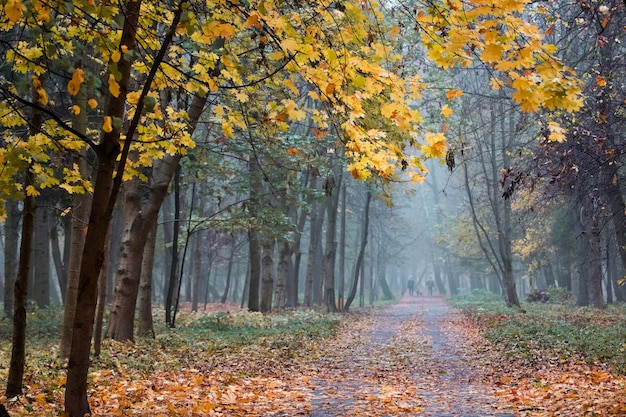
232	126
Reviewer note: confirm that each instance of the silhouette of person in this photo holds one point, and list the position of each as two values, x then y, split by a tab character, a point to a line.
411	286
430	284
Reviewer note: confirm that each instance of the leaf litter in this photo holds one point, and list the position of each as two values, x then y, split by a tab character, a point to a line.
418	357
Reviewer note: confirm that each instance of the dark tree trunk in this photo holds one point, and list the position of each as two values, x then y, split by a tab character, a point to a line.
267	287
173	276
18	347
146	323
359	261
332	204
11	244
41	251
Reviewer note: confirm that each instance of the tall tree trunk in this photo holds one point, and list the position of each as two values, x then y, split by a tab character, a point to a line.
359	261
342	247
103	282
332	204
315	231
284	260
196	272
18	347
173	276
60	258
80	217
41	251
146	323
254	239
11	244
105	192
267	287
229	270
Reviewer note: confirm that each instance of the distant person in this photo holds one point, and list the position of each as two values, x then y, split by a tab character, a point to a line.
411	285
430	284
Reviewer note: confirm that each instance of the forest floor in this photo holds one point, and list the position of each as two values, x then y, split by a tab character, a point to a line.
417	357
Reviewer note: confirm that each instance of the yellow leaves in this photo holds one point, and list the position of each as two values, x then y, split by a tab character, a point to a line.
92	103
31	191
492	52
557	133
13	10
446	111
107	124
435	146
73	86
114	87
290	45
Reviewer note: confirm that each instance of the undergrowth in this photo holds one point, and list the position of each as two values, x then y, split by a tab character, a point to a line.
550	332
198	338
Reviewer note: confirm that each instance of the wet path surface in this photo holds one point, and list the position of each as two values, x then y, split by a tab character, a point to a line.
409	359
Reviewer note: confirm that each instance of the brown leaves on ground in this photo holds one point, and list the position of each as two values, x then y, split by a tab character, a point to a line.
380	364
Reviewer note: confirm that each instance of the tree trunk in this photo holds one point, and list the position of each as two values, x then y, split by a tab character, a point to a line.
80	217
332	204
146	323
173	276
105	192
315	231
229	270
103	282
18	347
11	244
41	251
284	261
342	247
359	261
59	257
267	287
254	283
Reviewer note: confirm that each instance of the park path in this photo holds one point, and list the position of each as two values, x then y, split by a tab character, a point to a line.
412	358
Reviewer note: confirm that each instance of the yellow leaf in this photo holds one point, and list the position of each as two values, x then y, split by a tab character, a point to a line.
92	103
76	109
446	111
31	191
492	52
116	56
600	81
13	10
114	87
395	31
290	45
495	84
73	86
107	124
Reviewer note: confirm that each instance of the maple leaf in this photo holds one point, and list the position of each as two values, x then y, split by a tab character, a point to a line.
13	10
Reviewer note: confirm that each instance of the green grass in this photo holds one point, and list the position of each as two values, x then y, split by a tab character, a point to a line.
551	332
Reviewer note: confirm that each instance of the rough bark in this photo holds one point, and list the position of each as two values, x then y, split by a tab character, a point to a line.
254	279
146	323
18	342
11	244
41	252
359	261
267	274
105	192
284	260
332	204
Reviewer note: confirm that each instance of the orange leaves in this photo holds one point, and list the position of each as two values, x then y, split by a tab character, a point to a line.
13	10
73	86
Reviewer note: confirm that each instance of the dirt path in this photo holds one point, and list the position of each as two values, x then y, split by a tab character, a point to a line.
412	358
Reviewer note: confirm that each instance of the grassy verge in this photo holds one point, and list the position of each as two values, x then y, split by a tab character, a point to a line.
550	332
